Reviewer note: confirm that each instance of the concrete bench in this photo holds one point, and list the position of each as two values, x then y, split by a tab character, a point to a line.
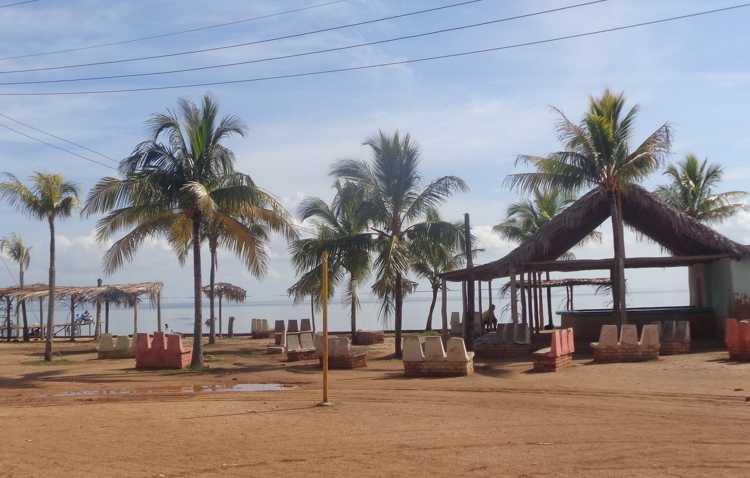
305	325
508	341
628	348
299	346
737	339
108	347
558	355
279	333
340	353
674	336
369	337
161	351
426	357
259	328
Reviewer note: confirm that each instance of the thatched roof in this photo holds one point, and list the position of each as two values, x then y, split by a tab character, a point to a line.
227	291
643	211
114	293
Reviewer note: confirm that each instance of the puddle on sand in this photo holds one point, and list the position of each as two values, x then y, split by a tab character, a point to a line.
189	390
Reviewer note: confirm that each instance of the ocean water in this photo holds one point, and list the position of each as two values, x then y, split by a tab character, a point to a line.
178	314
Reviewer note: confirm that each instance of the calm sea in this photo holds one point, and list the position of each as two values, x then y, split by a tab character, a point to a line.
178	314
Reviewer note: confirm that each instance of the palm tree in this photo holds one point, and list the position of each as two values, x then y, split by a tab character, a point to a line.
168	189
395	200
48	197
434	251
598	154
692	191
19	253
525	218
342	231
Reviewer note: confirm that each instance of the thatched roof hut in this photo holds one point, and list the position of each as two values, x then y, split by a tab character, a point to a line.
690	242
225	290
687	239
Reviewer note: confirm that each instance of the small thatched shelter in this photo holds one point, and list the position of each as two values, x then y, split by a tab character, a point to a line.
225	290
120	294
690	242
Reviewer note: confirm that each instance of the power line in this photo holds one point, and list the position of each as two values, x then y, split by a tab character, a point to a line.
17	4
387	64
60	138
169	34
243	44
308	53
61	148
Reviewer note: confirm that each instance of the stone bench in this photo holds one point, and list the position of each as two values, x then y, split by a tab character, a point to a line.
674	336
340	353
558	355
426	357
369	337
108	347
299	346
161	351
737	339
628	348
508	341
259	328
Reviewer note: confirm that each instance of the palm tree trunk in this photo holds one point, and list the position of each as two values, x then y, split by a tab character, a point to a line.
353	287
23	308
197	359
212	320
435	289
619	249
51	294
399	314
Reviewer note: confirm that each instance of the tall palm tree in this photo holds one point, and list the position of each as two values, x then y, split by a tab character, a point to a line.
49	197
341	231
692	191
396	199
598	154
525	218
168	188
19	253
434	251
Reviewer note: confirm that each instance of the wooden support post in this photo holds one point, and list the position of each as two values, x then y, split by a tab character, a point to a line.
513	297
220	297
106	316
444	310
8	306
479	283
158	310
98	326
530	294
463	301
549	304
72	319
41	317
539	291
572	304
489	291
135	317
524	313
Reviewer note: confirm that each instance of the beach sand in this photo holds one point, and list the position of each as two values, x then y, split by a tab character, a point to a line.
685	416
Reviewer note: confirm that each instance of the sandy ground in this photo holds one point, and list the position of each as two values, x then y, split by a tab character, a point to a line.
682	416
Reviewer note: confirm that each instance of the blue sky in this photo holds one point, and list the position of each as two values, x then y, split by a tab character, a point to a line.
472	116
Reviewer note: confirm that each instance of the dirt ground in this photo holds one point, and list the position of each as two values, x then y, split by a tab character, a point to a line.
682	416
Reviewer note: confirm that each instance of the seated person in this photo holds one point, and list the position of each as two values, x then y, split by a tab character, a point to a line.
489	321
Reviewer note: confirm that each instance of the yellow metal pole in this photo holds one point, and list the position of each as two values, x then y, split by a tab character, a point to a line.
324	299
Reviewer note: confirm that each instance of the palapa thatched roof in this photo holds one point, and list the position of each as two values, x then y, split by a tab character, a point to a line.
227	291
115	293
643	211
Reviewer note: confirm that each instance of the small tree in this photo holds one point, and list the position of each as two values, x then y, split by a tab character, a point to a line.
19	253
48	198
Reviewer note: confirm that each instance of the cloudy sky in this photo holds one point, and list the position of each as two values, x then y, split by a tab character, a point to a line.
471	115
